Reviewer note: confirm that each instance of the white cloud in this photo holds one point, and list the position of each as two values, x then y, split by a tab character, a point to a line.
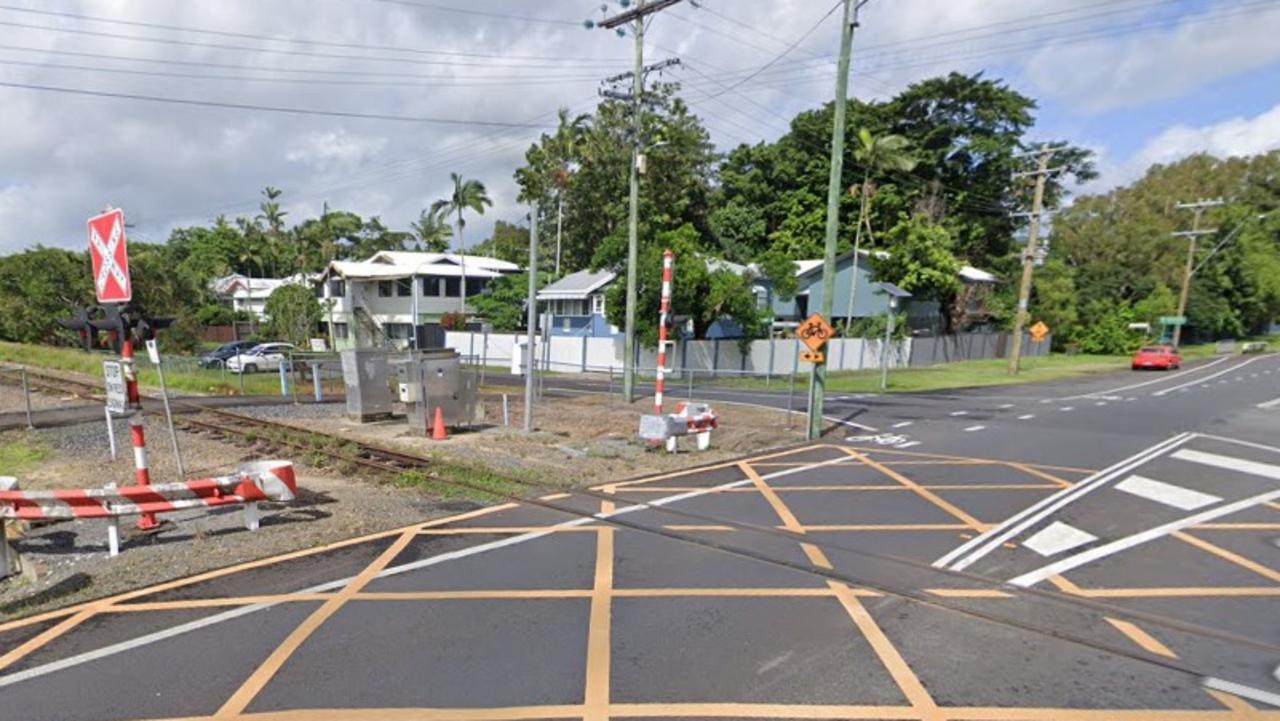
63	156
1131	69
1235	136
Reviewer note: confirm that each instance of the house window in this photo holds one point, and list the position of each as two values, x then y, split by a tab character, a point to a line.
475	286
597	304
337	288
319	290
452	287
404	287
340	331
431	286
385	288
398	331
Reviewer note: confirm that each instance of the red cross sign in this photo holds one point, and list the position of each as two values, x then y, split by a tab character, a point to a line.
110	257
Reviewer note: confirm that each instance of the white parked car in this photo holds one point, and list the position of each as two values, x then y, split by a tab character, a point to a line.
261	357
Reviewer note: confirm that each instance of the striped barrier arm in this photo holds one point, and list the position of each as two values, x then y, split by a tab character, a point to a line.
254	482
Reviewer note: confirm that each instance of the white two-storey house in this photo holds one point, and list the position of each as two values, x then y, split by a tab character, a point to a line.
378	302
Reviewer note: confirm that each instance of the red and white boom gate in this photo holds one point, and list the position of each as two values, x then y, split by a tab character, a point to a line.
254	482
690	419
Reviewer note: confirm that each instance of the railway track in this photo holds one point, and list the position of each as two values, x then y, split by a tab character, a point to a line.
366	455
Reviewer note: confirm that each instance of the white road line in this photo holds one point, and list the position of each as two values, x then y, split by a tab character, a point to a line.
959	413
173	631
1266	470
1026	417
1058	537
903	424
1222	372
1113	391
985	543
908	444
1184	499
1094	554
1100	403
1066	409
1238	689
1204	385
1003	406
971	429
1270	404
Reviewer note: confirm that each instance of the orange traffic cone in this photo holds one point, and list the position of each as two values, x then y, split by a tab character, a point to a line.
437	426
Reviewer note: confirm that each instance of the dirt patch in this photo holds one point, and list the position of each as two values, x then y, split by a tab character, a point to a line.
577	440
13	401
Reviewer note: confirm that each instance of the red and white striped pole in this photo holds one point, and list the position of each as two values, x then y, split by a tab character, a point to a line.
142	472
668	266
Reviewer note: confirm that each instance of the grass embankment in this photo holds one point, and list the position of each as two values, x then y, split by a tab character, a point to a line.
186	379
19	456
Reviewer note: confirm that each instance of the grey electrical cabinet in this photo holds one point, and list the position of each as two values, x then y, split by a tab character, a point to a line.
435	379
365	373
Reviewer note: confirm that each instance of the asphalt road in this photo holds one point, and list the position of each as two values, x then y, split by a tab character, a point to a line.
1098	549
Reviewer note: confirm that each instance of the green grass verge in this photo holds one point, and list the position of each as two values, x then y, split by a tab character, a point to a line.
193	380
20	455
963	374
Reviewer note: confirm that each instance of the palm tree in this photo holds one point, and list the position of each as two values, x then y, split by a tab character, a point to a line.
877	155
563	148
270	213
467	195
431	231
252	254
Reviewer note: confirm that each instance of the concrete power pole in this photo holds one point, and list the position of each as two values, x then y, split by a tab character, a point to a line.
1029	257
818	379
1198	208
531	320
637	16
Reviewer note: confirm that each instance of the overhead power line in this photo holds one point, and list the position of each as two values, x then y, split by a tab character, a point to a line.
492	82
308	71
271	108
268	51
296	40
783	54
479	13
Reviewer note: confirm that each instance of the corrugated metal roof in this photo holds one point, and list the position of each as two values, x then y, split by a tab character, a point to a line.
577	286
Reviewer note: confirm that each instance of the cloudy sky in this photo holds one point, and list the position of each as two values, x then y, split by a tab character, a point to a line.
418	88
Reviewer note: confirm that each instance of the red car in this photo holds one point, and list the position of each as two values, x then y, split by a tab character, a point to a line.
1164	357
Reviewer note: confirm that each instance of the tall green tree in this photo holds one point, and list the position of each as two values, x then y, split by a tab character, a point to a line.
467	195
876	154
674	190
269	212
431	231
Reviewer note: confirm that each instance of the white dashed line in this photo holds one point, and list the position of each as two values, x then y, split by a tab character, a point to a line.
1004	406
903	424
1181	498
1027	417
959	413
971	429
1058	537
908	444
1066	409
1270	404
1100	403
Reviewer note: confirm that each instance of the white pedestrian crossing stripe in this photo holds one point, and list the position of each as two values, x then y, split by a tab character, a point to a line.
1056	538
1181	498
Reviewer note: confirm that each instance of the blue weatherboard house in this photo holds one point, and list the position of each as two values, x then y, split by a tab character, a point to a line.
576	303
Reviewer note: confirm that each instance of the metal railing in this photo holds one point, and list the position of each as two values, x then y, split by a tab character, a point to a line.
20	372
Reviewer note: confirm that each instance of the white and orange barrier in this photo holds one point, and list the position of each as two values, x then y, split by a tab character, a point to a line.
254	482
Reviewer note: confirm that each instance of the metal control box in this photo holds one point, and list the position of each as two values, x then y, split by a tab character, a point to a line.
427	380
365	374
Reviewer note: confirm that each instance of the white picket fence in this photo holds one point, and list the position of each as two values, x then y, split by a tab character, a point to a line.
568	354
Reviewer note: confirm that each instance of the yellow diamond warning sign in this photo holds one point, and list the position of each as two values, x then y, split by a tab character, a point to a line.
814	332
1038	331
